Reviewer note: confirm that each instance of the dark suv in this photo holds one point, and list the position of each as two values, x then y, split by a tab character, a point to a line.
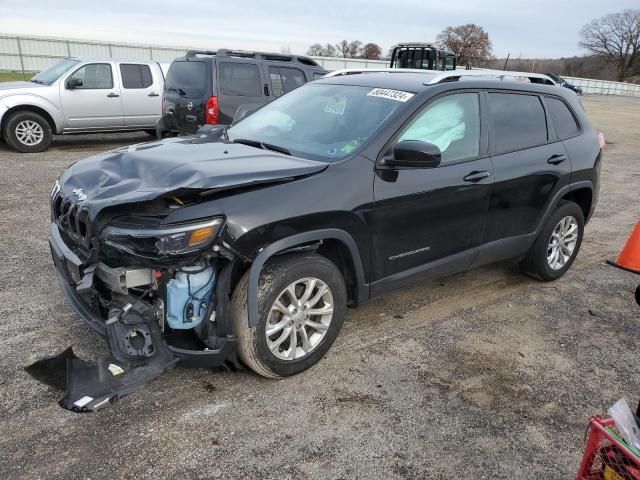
253	240
208	87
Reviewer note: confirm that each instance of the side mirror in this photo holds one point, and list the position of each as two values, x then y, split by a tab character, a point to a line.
74	83
414	154
244	111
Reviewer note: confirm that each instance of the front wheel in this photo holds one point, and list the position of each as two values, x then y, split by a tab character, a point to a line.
557	244
27	132
301	306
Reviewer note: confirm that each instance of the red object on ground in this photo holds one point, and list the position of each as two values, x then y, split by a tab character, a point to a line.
629	259
606	457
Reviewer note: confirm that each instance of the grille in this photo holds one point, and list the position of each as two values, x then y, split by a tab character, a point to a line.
71	219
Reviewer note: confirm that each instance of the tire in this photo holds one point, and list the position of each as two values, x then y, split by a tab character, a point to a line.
536	263
278	274
152	133
24	127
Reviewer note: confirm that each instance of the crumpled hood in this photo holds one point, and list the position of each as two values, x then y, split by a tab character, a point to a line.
145	171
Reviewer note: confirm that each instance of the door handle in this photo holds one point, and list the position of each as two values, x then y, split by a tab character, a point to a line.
556	159
113	95
153	94
476	176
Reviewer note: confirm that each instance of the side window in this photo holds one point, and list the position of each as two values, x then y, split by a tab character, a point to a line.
285	79
563	119
452	123
240	79
518	120
95	76
135	76
276	81
292	78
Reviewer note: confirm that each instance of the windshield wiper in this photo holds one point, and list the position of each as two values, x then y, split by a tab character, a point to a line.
179	91
262	145
276	148
39	82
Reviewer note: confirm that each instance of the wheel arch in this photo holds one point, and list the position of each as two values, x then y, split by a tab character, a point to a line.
337	245
28	108
575	192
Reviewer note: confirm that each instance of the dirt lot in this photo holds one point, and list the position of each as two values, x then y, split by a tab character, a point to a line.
486	374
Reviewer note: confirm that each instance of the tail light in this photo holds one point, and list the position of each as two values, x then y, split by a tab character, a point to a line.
211	112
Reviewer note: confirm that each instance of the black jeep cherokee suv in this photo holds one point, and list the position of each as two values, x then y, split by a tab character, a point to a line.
253	240
208	87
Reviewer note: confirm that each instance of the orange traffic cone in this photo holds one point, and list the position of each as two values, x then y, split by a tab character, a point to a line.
629	259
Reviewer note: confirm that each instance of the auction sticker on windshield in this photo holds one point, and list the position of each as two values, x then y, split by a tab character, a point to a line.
397	95
336	105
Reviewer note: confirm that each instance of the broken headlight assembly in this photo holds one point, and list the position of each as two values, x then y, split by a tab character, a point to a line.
165	240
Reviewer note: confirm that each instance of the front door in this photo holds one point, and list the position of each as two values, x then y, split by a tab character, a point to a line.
95	102
430	221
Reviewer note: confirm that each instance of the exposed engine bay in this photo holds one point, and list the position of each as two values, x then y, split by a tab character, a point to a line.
167	306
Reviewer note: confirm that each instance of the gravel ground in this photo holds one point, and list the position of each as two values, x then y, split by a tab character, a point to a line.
486	374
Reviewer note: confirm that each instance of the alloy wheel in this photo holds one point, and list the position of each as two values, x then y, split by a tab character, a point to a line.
299	318
562	242
29	133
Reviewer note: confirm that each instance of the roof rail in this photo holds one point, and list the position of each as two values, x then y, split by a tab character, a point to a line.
355	71
193	53
439	76
455	75
274	57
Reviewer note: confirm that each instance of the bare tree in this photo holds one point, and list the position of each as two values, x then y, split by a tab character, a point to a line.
348	49
354	48
329	51
285	50
615	38
342	48
371	51
316	50
470	43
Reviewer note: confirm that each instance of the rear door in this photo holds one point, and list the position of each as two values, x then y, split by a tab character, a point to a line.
531	164
140	93
96	103
239	82
186	90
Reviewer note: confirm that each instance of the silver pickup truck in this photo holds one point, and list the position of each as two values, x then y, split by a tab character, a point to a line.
80	95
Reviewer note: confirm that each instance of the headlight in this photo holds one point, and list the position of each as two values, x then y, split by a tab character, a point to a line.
175	240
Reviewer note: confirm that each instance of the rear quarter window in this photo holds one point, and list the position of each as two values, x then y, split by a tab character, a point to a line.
239	79
564	121
519	121
190	77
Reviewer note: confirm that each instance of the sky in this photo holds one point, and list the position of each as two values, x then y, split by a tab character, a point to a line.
527	29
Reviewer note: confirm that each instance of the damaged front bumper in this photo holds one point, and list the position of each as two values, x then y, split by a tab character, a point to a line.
140	348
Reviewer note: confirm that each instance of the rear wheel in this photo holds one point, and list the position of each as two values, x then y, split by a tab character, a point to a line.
27	132
301	305
557	244
151	133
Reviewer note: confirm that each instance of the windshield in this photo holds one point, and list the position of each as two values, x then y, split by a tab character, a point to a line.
55	71
320	121
187	79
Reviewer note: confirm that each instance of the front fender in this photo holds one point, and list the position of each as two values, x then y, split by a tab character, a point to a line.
37	101
306	237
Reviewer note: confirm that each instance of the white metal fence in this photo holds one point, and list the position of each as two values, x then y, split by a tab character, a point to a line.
31	53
